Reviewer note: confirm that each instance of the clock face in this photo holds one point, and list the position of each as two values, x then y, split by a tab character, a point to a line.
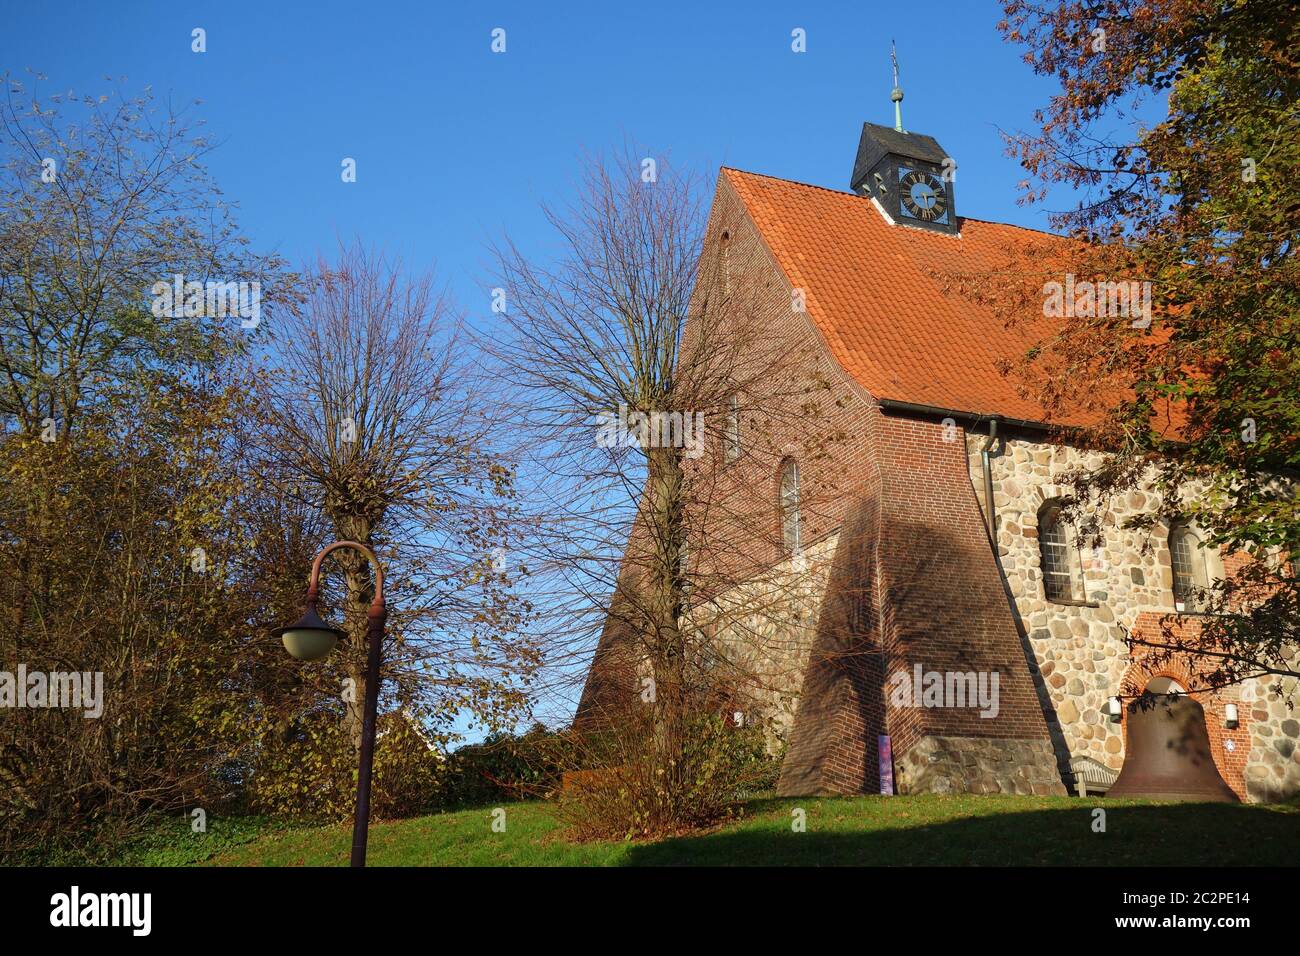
922	195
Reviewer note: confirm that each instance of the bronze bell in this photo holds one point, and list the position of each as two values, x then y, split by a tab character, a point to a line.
1169	753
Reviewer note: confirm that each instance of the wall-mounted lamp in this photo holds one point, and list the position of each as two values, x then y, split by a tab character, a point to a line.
1230	719
1113	709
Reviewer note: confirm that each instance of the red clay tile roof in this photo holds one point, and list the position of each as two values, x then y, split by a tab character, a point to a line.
875	291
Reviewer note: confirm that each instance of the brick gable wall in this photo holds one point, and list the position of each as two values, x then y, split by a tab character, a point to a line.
912	579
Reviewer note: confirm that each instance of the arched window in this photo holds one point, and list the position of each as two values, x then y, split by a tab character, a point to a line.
724	254
731	433
1187	556
790	518
1058	556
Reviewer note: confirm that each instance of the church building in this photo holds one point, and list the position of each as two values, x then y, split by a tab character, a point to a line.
953	635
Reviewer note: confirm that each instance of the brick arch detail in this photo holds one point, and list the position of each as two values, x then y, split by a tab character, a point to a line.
1041	494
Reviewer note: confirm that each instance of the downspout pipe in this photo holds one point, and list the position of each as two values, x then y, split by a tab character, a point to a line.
990	514
974	419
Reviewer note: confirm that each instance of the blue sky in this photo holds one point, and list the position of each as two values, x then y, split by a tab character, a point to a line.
455	144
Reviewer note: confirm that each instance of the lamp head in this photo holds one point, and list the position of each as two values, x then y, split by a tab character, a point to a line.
1113	709
1231	720
309	638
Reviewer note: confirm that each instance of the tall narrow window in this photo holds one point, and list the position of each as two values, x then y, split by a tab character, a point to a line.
724	254
731	434
1188	559
790	518
1057	556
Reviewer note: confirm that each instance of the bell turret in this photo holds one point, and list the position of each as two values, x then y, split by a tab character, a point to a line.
909	175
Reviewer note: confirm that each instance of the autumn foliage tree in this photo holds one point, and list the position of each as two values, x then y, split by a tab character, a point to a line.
168	475
1176	136
122	529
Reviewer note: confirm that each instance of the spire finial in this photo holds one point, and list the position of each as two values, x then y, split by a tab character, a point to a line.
897	94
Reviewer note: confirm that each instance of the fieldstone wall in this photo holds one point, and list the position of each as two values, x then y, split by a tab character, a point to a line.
978	765
1273	767
764	629
1080	649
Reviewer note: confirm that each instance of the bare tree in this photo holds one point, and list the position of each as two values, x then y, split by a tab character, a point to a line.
375	420
634	367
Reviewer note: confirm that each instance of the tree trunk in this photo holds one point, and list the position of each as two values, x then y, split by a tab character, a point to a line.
664	600
359	580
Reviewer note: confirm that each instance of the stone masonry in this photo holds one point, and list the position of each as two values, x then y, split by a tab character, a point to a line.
1080	650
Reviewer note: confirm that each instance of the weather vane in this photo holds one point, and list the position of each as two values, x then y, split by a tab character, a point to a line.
897	94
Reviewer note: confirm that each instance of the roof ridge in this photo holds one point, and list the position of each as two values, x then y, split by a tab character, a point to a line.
848	195
792	182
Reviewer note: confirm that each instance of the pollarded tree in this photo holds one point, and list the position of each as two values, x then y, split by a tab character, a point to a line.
376	420
634	354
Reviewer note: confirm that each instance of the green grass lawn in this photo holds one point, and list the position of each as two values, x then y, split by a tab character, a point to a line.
870	831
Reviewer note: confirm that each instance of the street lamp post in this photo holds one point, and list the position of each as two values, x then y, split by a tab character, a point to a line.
310	639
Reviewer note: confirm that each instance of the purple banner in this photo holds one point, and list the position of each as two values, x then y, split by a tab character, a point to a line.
886	752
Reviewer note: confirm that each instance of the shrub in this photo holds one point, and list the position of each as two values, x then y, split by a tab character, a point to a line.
313	771
408	767
631	789
505	767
